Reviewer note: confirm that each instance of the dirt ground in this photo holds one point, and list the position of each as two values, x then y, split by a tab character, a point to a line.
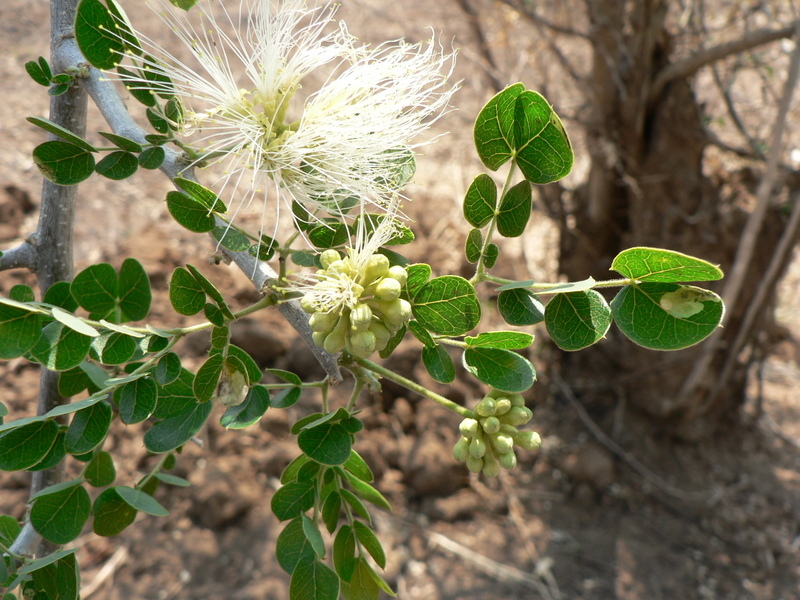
712	520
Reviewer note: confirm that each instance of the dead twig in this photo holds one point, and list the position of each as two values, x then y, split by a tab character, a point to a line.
106	572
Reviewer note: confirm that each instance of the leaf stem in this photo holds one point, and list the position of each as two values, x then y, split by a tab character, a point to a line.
415	387
480	269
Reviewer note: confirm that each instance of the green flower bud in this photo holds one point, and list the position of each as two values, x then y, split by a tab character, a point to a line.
518	415
361	317
396	313
328	257
307	305
361	343
486	407
490	424
517	399
319	338
477	447
321	321
529	440
378	266
507	460
388	289
475	464
468	427
335	341
501	442
399	273
461	449
382	335
503	406
491	467
509	429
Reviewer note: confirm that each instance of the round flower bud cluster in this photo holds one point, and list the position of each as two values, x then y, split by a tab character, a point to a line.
487	442
356	307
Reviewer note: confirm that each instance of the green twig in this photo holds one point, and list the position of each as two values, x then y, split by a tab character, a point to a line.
415	387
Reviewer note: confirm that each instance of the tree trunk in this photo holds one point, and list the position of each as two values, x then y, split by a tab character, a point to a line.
647	187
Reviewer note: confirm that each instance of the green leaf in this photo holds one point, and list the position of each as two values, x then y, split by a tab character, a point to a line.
509	340
313	536
293	499
19	331
98	35
54	456
313	580
96	289
186	294
24	446
490	255
494	128
248	412
370	541
89	427
36	73
155	118
500	369
177	429
329	235
438	363
134	291
141	94
264	249
358	467
331	509
100	471
367	492
480	201
576	320
9	529
205	382
22	293
58	294
289	396
61	348
152	158
141	501
293	546
59	580
292	469
421	334
184	4
168	368
447	305
514	210
418	274
356	504
85	376
113	348
59	516
74	323
122	142
159	82
117	165
520	307
201	194
393	342
569	286
654	264
190	213
172	480
344	550
231	238
211	291
62	132
63	163
666	316
111	513
473	245
328	443
364	584
137	400
543	150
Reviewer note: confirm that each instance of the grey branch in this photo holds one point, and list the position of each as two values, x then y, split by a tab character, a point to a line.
108	100
690	65
19	257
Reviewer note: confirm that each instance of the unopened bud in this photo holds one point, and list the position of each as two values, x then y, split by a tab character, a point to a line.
518	415
502	443
486	407
361	343
475	464
491	467
503	406
378	266
529	440
477	447
328	257
399	273
361	317
468	427
382	335
395	312
517	399
508	460
335	341
307	305
321	321
461	449
388	289
490	424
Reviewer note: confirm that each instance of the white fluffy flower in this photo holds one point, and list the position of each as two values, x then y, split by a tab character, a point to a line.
347	143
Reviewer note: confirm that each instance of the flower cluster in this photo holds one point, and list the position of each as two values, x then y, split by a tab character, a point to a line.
487	443
354	305
240	108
